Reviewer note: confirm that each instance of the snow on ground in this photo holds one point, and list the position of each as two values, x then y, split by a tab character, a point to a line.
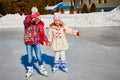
97	19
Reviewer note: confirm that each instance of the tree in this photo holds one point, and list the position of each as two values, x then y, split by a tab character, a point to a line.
57	9
20	6
93	8
62	10
1	4
71	8
7	7
84	9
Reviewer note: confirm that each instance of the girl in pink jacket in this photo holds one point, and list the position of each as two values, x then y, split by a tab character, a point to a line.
58	41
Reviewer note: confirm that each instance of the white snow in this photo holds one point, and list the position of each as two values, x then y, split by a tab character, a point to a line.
52	7
97	19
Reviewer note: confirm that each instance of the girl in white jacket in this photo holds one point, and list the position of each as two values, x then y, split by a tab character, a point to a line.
58	41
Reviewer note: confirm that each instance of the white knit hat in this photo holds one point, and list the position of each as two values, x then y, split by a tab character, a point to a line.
34	9
35	13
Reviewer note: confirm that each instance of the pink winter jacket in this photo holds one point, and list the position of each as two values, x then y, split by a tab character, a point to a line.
39	36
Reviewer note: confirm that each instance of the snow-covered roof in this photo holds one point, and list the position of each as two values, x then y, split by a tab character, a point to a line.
53	7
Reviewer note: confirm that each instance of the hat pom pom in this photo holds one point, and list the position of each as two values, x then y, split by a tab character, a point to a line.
34	10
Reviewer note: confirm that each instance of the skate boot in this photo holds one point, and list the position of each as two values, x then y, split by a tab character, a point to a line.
56	66
64	66
43	71
29	72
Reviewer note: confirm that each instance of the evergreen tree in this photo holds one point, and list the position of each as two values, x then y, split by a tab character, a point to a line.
84	9
57	9
7	7
20	6
71	8
14	7
62	10
93	8
1	4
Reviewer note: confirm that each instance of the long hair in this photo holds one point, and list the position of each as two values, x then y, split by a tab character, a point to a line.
53	24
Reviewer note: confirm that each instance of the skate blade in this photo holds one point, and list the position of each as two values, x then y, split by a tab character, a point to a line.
28	77
46	75
65	71
54	70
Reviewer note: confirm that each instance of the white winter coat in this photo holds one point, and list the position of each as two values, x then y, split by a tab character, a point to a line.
56	36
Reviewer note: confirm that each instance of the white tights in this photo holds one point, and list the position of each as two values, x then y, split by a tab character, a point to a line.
60	54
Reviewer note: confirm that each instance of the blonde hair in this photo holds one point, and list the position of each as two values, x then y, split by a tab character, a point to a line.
53	24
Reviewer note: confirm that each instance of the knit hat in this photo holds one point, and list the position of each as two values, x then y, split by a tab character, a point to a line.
34	9
35	13
57	16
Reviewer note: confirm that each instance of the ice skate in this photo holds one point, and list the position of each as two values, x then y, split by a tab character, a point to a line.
43	71
29	72
64	66
56	66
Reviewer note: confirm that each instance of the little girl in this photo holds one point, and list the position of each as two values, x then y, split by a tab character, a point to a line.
34	37
58	42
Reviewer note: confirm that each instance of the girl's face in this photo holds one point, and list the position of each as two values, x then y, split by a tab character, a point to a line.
37	21
57	22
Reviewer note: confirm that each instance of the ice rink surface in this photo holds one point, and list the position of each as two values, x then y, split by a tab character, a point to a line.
95	55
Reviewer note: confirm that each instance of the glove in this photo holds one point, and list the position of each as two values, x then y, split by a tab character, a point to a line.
47	43
78	34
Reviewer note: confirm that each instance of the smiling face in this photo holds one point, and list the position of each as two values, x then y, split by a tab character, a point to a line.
57	22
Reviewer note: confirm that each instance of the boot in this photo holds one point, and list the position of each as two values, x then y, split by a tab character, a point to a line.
64	66
29	72
56	66
43	71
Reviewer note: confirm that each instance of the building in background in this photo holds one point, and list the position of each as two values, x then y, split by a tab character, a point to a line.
101	5
67	4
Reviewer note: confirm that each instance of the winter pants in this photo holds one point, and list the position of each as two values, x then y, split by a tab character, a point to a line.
29	50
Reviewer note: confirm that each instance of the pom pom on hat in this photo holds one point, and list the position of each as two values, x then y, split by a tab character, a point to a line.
57	16
35	13
34	9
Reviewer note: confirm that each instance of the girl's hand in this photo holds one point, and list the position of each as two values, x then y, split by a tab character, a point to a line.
64	30
78	34
47	43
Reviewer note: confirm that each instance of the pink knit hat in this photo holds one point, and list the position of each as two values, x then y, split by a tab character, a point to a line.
57	16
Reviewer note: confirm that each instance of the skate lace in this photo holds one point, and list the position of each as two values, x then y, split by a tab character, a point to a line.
42	69
56	65
30	71
63	65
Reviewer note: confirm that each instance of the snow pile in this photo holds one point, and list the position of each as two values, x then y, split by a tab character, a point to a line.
98	19
115	14
11	20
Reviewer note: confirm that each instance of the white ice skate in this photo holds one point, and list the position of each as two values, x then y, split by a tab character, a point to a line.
64	66
54	70
43	71
55	67
29	72
65	69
